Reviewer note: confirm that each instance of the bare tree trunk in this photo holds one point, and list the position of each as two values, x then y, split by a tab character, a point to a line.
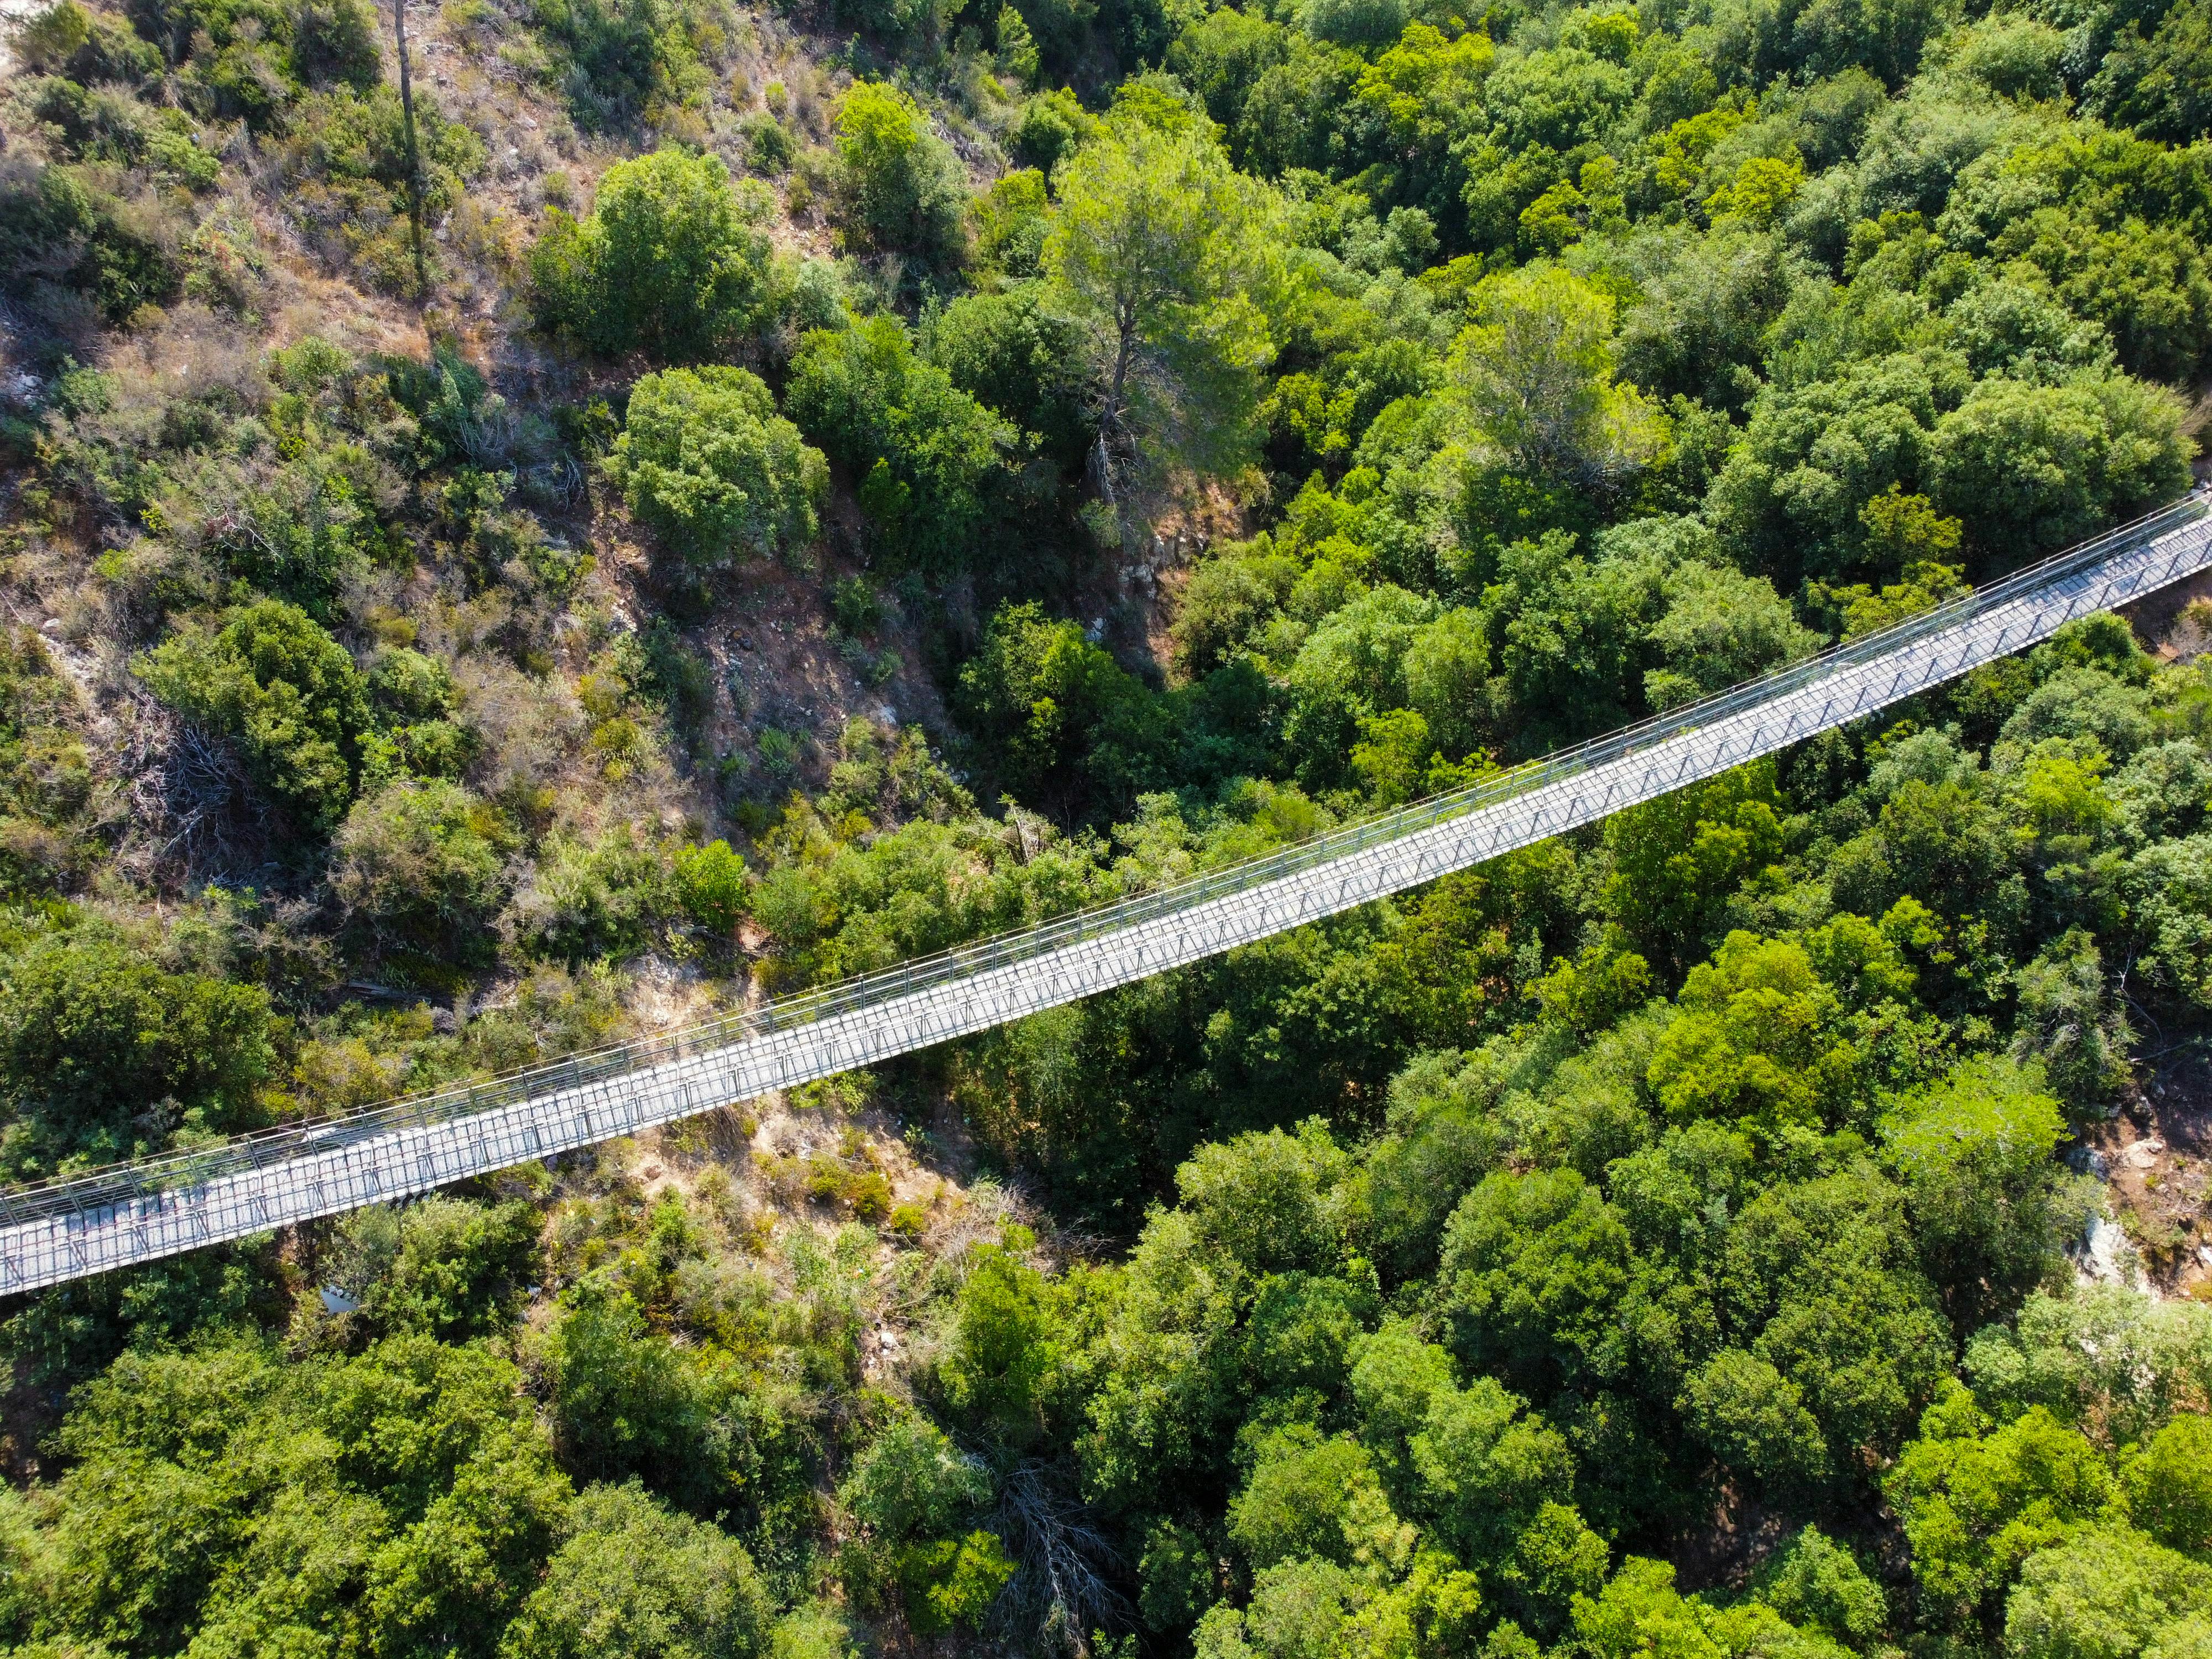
1112	412
414	155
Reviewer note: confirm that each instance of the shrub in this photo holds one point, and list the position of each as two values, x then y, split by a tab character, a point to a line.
274	683
105	1053
712	887
706	460
66	39
901	185
1011	352
55	227
344	160
636	1581
594	899
668	262
336	40
421	867
927	455
627	58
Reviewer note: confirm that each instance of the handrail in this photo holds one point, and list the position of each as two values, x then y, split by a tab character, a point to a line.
119	1184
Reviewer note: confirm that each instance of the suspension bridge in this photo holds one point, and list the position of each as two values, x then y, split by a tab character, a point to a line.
68	1229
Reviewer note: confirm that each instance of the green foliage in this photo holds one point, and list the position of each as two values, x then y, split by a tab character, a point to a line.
1063	718
1754	1418
1977	1502
422	870
1002	1362
629	60
705	460
1013	354
669	262
399	1497
443	1267
627	1404
901	185
1975	1154
1538	378
910	1483
2107	1591
1677	859
1817	1585
275	682
2169	1486
57	227
951	1582
712	886
1308	1496
633	1579
929	460
1160	255
109	1054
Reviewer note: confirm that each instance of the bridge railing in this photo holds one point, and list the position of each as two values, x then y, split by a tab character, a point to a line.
100	1189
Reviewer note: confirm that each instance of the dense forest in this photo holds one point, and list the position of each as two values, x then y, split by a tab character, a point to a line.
615	509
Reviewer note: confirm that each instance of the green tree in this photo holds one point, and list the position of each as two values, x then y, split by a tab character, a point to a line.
2034	468
669	262
1535	1266
420	869
1263	1200
1064	722
1677	861
1308	1496
705	460
627	1403
1484	1469
2160	84
713	887
1004	1351
270	679
1817	1583
2169	1485
911	1483
104	1054
631	1580
2108	1592
931	462
1160	253
1975	1154
902	186
1754	1419
1013	354
1977	1502
445	1267
1537	371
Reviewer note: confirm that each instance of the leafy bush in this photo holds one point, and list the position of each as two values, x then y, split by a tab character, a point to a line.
629	60
420	869
344	160
929	458
443	1267
55	227
108	1056
705	460
632	1581
712	886
272	680
668	262
901	185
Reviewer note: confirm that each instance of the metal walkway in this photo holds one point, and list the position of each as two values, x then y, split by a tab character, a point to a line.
66	1229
